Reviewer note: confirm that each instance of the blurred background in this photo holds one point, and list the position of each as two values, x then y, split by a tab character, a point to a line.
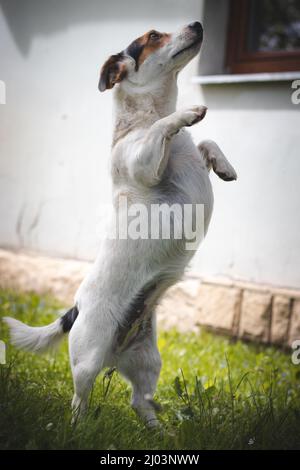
56	128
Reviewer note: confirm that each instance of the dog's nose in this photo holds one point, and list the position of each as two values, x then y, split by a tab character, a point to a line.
197	27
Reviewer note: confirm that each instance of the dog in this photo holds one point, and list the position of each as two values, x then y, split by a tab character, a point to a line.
154	161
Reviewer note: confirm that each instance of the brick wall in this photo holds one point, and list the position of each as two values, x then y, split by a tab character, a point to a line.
243	310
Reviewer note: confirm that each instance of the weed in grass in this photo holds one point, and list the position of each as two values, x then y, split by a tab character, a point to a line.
215	394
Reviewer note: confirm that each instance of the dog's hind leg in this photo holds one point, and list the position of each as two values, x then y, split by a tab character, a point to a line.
141	364
88	346
214	158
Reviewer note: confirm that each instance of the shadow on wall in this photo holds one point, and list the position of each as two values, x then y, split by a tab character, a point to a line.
35	17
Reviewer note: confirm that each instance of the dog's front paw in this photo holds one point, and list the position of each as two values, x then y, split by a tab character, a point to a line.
193	115
224	170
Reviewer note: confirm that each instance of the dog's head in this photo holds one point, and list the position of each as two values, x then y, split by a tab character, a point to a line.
152	56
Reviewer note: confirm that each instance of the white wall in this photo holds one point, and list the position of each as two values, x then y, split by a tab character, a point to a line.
56	129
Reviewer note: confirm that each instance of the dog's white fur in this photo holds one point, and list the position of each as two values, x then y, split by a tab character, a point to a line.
152	152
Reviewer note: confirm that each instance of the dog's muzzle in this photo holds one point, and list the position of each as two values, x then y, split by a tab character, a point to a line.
197	31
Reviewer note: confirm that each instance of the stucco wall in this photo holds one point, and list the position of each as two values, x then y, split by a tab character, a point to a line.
56	129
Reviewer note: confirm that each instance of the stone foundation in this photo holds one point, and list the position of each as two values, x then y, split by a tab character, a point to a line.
252	312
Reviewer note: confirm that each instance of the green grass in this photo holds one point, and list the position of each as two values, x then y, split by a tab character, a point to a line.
215	393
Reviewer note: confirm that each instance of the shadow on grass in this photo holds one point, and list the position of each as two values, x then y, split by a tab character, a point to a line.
223	396
35	414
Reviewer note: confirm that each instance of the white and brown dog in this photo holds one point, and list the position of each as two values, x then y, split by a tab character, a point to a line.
154	161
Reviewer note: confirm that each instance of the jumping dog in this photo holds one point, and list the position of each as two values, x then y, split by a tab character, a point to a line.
154	161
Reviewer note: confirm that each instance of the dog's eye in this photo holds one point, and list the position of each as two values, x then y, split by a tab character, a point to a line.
154	35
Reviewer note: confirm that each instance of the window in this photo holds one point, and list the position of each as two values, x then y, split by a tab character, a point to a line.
263	36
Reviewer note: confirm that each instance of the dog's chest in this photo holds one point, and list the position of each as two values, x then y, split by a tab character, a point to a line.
185	179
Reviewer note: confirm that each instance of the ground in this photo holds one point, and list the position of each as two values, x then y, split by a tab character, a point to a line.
215	394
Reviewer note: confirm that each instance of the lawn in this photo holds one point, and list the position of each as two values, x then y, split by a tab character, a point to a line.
215	394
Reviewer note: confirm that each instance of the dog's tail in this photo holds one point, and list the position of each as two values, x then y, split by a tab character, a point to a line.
41	338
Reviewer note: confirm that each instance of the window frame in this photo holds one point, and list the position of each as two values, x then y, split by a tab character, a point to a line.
239	60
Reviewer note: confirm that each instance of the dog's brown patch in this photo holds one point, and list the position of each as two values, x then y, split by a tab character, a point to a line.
112	72
152	44
114	69
146	45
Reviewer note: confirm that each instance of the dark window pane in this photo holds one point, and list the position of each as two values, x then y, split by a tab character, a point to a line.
274	25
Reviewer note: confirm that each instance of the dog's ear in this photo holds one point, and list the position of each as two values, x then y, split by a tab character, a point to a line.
112	72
